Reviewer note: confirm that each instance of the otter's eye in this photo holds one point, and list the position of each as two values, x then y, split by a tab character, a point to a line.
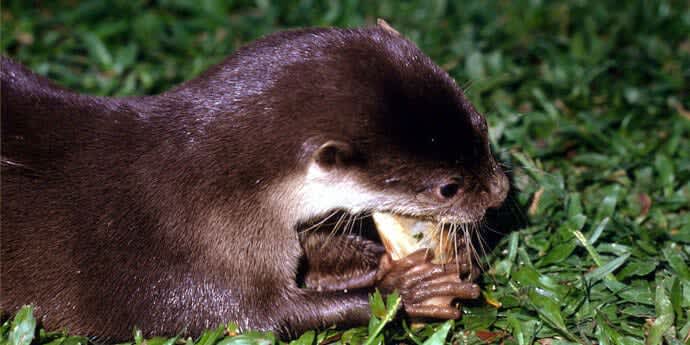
449	190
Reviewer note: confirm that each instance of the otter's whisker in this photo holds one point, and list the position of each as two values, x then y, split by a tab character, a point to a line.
349	227
456	253
469	250
333	231
320	223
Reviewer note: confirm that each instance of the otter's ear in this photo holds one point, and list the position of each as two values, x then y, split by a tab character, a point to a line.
334	153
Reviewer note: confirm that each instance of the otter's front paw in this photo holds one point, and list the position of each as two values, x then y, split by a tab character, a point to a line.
427	289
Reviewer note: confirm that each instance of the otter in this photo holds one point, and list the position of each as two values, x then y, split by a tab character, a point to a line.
184	210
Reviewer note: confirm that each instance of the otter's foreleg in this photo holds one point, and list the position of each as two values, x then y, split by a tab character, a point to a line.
311	309
353	265
415	277
336	262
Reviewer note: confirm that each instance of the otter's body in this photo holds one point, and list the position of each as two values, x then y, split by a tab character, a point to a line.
180	211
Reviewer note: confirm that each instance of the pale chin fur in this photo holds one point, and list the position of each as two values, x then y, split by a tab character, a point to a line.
320	192
323	191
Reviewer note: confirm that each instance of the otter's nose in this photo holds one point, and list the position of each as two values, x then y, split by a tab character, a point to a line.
498	189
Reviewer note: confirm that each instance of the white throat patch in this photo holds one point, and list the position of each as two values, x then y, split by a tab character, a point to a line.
322	191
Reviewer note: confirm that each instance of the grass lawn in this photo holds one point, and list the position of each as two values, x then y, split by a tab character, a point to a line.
588	103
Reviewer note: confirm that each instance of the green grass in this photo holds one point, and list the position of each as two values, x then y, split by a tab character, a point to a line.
588	105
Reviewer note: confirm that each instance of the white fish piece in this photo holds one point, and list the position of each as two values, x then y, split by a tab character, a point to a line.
401	236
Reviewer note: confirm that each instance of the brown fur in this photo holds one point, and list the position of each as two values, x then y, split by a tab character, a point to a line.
163	212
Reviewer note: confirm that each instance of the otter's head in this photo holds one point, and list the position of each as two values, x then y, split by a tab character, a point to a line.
356	120
385	129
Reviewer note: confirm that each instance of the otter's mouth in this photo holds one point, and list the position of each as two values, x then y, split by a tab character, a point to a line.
401	235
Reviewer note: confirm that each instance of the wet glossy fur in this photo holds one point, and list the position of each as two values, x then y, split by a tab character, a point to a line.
172	212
